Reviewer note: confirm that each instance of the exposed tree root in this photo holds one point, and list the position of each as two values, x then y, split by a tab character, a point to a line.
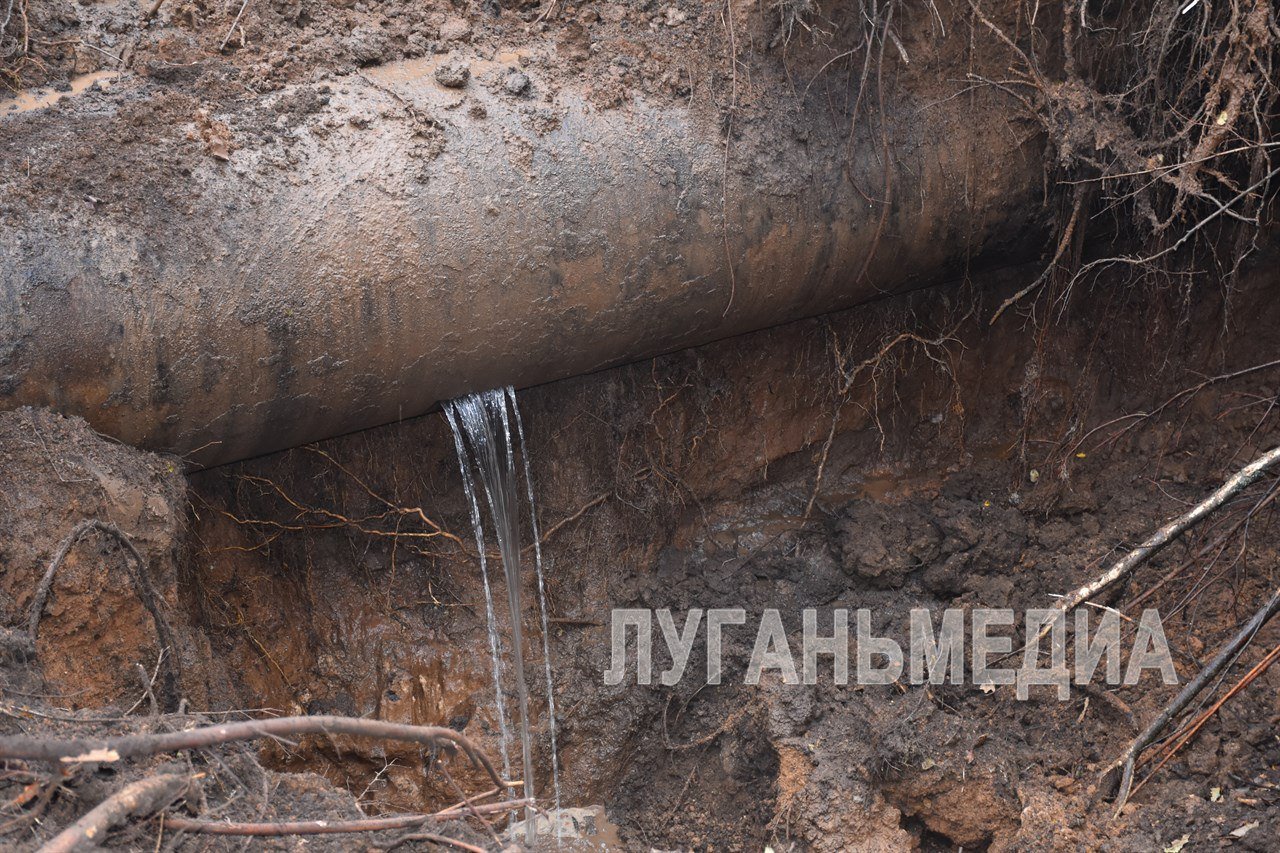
1181	134
146	593
934	349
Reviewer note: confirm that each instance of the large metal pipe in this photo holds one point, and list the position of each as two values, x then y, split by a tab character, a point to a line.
411	243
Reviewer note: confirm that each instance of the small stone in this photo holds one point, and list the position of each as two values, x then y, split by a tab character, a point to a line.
453	75
516	83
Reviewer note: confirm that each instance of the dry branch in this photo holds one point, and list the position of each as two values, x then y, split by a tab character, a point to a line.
77	750
1185	735
142	797
334	827
1242	479
1221	661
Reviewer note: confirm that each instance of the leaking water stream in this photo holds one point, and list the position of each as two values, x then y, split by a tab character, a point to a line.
482	436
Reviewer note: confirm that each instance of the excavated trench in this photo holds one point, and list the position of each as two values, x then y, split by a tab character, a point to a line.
315	581
747	301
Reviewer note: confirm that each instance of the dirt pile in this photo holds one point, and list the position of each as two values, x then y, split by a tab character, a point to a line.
95	629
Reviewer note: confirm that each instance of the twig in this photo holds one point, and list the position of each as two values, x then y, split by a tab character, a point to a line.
142	587
234	23
147	692
1220	662
542	16
8	13
50	787
76	750
141	797
331	827
1196	725
1242	479
437	839
471	809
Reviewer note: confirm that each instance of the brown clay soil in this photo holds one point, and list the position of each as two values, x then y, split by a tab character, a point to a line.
969	465
683	482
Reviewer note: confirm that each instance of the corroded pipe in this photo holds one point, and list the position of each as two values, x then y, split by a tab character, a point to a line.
411	243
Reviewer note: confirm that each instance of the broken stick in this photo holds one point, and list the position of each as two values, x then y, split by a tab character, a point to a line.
142	797
85	750
1128	760
1242	479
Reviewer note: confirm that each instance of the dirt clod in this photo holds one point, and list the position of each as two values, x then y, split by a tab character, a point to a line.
453	75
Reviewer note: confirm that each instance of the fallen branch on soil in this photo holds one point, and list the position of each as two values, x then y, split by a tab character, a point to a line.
142	588
83	750
142	797
1185	736
334	827
435	839
1221	661
1242	479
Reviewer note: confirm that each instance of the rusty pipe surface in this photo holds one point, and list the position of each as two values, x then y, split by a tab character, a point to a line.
409	243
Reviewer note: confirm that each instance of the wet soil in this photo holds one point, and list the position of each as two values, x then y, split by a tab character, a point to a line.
976	471
828	463
126	114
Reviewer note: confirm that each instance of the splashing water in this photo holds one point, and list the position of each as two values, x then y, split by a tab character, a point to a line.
481	427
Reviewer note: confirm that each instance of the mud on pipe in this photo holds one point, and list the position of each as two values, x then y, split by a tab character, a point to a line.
411	246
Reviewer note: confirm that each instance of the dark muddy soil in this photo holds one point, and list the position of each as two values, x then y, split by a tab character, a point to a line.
963	473
155	104
906	454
